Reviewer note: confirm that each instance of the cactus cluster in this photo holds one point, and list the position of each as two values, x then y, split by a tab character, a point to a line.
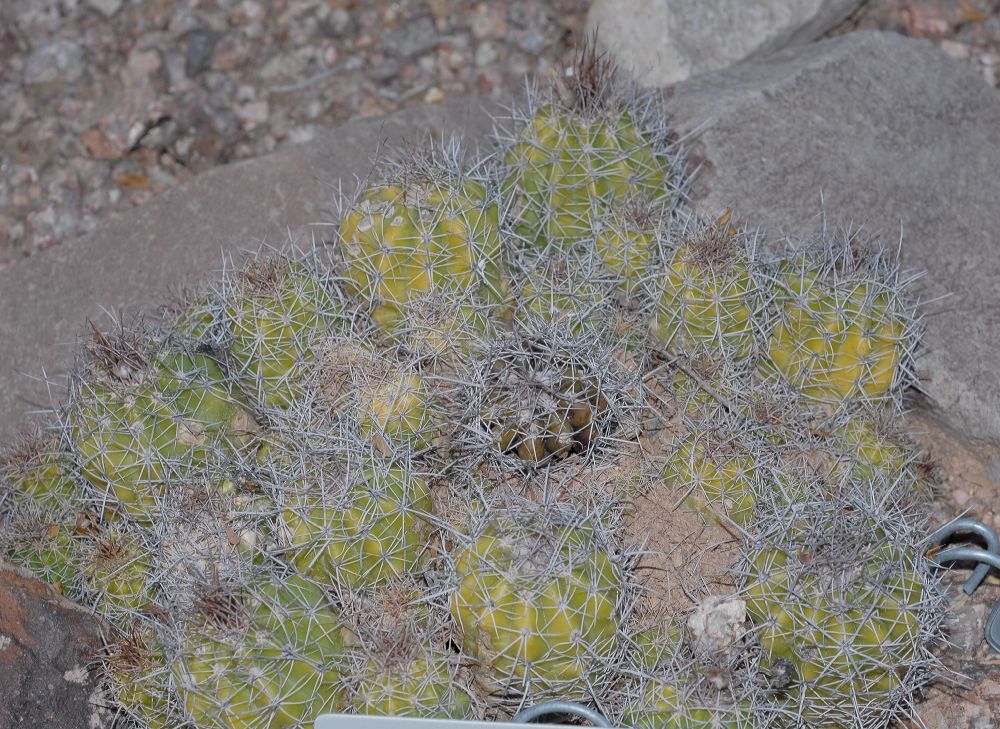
397	472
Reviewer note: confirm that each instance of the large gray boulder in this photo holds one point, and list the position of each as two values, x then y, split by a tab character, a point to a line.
666	41
894	135
135	259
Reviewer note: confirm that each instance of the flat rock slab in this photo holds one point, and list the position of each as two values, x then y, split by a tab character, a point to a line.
47	648
134	260
666	41
896	136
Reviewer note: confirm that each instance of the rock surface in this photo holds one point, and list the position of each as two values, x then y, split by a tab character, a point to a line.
46	646
895	135
665	41
135	260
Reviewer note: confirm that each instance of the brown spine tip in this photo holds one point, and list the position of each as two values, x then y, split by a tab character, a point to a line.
594	76
119	355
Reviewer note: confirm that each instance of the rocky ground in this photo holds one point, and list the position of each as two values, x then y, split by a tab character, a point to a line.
106	103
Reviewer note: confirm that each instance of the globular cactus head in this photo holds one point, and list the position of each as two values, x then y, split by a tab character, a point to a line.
385	400
632	241
846	603
845	330
709	294
579	145
565	290
44	541
427	224
400	636
135	667
443	328
146	409
539	596
268	651
118	570
873	448
354	522
272	312
717	474
33	470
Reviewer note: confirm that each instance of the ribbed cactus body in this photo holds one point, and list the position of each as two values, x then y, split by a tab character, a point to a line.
565	290
156	413
875	450
538	603
708	295
423	687
37	473
386	400
425	233
275	310
840	336
119	573
567	168
631	243
402	662
137	673
275	660
847	613
43	542
361	528
717	477
664	705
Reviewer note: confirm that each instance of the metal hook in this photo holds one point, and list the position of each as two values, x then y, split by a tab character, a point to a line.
970	526
550	708
989	559
986	558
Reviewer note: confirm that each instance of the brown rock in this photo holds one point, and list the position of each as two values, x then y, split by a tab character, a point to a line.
489	21
98	144
47	646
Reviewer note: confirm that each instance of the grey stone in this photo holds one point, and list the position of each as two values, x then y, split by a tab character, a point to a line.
200	47
107	8
716	625
60	60
967	631
665	41
891	133
413	38
48	648
134	260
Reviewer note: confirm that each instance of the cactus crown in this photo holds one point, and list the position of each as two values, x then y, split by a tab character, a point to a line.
594	80
263	276
221	605
714	246
121	355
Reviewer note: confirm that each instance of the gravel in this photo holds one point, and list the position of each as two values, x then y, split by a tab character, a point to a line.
104	104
